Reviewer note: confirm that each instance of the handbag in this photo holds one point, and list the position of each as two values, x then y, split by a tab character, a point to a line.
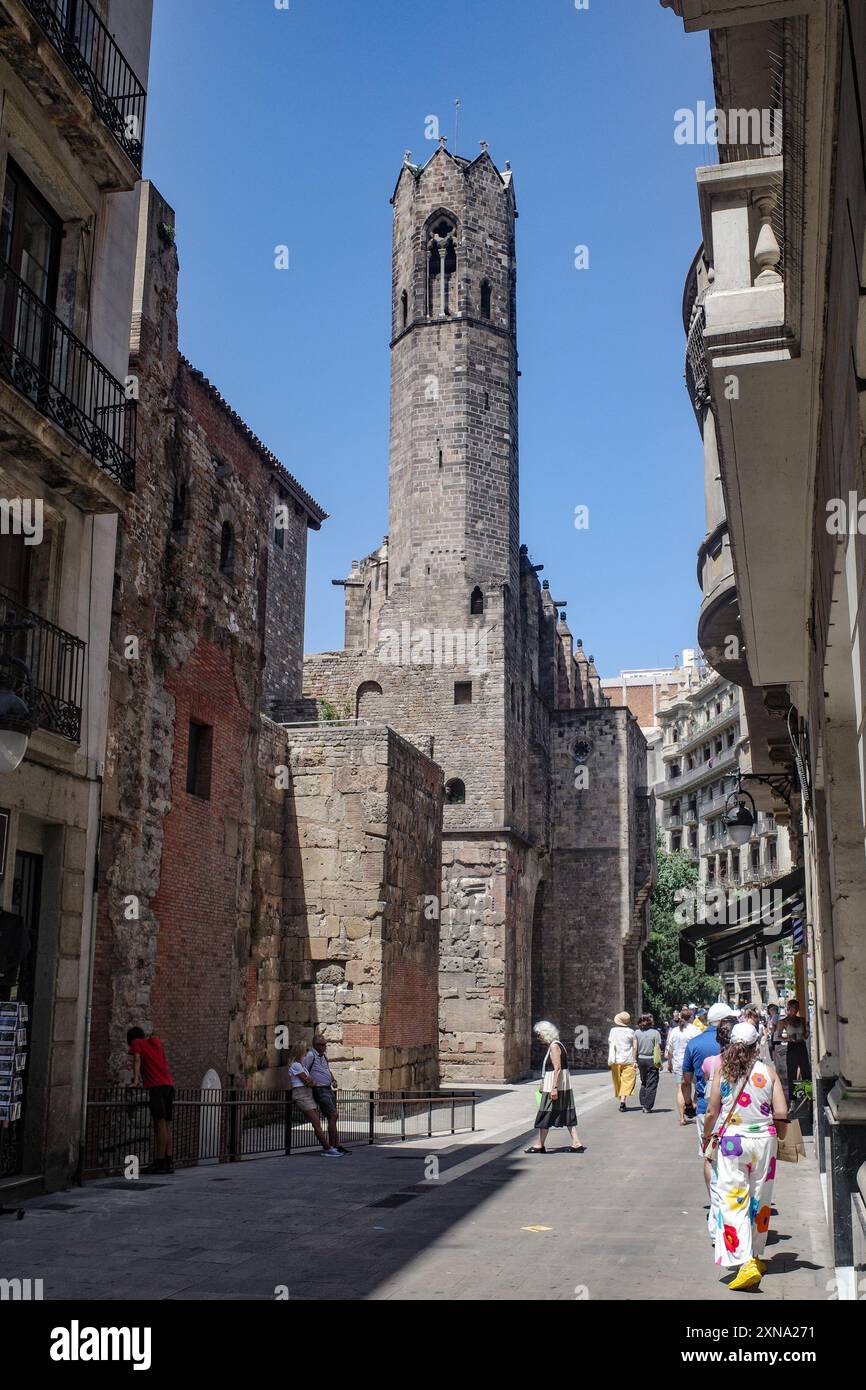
657	1055
791	1147
712	1144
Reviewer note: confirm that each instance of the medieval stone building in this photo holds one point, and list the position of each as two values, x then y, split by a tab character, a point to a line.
452	640
417	843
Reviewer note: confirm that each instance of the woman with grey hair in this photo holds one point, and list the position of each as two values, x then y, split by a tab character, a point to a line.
555	1100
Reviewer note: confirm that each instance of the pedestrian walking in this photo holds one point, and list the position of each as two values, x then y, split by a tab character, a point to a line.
649	1057
301	1084
711	1064
324	1088
794	1031
622	1058
678	1039
705	1045
150	1070
772	1024
755	1111
555	1099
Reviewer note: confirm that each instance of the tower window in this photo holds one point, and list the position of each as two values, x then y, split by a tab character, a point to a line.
227	548
485	299
455	792
476	602
199	759
179	507
441	270
463	692
404	307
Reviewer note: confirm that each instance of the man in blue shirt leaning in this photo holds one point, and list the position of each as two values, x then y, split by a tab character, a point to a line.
697	1051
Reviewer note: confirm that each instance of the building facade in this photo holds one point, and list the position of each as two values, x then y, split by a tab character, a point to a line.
773	311
72	116
452	640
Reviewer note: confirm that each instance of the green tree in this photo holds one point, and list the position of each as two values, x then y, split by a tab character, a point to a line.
667	983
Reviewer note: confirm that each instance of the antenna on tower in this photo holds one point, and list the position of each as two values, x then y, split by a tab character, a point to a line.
456	123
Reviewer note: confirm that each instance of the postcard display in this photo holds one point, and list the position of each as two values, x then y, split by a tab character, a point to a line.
13	1058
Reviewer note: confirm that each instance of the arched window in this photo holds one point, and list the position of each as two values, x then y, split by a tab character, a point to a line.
227	548
455	792
441	270
476	602
367	700
485	299
404	307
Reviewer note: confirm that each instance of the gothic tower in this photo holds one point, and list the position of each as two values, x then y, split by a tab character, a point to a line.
453	465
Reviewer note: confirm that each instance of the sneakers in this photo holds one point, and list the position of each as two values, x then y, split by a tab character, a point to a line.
331	1153
762	1265
341	1150
749	1276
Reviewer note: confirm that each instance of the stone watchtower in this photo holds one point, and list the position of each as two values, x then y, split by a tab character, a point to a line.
453	462
451	641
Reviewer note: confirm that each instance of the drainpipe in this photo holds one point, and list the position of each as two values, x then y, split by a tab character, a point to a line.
91	952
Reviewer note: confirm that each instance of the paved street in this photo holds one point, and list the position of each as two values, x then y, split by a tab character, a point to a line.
624	1220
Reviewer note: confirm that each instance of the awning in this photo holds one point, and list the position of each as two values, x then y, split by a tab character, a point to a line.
755	925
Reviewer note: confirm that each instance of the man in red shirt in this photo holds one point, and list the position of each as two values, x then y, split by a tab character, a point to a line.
150	1069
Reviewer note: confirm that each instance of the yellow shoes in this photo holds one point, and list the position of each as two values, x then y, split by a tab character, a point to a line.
762	1265
749	1276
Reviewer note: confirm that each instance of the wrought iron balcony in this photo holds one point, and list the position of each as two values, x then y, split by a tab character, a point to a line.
97	64
43	360
56	662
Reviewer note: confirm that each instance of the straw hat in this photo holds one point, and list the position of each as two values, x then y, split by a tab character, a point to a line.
622	1020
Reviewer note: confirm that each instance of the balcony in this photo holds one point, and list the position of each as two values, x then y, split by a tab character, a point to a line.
79	36
707	772
59	378
56	662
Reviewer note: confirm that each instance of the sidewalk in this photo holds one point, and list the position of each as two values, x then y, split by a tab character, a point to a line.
625	1220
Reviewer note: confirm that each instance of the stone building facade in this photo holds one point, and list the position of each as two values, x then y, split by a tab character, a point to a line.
775	309
207	620
72	108
452	640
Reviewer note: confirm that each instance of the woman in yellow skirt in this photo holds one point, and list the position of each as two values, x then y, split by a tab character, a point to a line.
622	1057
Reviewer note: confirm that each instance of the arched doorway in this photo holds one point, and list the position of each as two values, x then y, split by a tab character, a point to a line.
367	700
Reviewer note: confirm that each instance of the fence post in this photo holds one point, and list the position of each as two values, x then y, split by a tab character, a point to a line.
233	1126
429	1118
372	1135
402	1117
452	1114
288	1105
473	1112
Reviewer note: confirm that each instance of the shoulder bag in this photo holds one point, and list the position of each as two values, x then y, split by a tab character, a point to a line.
711	1145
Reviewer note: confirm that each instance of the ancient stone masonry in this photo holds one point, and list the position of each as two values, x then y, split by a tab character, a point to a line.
207	620
452	640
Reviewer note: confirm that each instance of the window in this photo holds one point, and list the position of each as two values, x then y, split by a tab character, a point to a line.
227	548
485	299
30	234
476	602
441	270
199	759
463	692
455	792
404	308
179	506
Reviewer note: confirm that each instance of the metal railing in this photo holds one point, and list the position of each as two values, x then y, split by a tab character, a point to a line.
708	771
56	662
697	371
225	1126
45	361
78	34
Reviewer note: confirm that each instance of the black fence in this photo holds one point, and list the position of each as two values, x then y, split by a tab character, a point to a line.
56	663
224	1126
85	45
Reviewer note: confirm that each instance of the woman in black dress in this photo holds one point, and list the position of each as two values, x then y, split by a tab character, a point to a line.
556	1110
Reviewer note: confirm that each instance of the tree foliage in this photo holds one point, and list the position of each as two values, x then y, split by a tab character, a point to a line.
667	983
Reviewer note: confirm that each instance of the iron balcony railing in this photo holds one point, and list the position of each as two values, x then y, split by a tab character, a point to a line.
56	662
707	771
43	360
95	61
698	733
224	1126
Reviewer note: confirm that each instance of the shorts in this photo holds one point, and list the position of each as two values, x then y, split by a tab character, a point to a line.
161	1102
325	1100
302	1097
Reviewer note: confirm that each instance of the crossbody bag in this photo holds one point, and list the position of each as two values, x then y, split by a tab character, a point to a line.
711	1145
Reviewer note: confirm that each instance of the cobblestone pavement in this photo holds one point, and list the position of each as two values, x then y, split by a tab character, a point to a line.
624	1220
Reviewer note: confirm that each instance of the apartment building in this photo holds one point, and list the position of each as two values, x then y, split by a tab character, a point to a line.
73	77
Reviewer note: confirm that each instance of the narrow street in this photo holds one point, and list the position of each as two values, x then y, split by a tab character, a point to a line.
625	1220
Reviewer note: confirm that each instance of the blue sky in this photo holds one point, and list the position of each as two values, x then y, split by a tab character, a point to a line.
269	127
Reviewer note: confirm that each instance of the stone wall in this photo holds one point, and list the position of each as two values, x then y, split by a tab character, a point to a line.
345	939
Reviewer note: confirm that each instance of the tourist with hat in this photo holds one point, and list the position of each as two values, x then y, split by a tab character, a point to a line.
622	1058
745	1111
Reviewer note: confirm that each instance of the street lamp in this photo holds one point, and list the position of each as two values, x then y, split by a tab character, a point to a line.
740	816
17	715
